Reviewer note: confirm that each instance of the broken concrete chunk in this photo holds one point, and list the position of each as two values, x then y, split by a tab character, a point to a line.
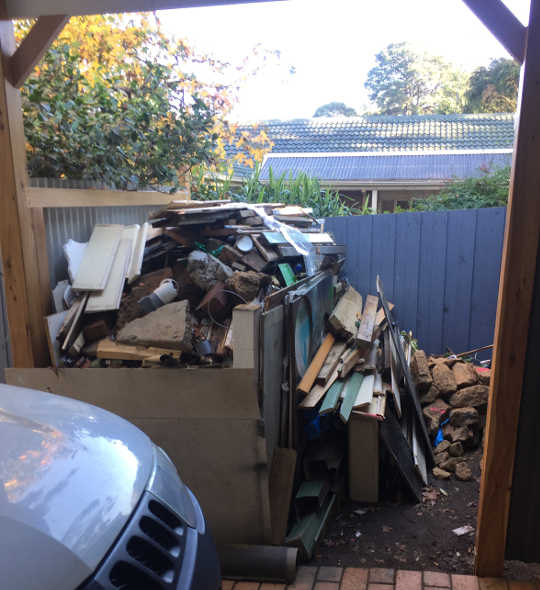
421	372
167	327
431	395
450	464
484	375
475	396
433	414
441	457
342	321
247	284
463	472
455	449
441	473
464	417
442	446
461	434
464	374
444	380
206	270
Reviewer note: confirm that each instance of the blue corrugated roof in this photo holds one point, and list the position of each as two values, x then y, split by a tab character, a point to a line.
430	133
395	167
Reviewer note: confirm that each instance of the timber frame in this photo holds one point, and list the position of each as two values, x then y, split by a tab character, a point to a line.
22	231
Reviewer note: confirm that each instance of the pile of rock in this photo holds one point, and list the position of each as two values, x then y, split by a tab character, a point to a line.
454	396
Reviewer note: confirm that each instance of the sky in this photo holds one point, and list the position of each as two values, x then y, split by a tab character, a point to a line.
331	44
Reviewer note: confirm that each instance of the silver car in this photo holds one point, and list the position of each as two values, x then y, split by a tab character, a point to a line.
87	501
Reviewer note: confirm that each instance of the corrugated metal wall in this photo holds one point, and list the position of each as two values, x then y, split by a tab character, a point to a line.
441	269
63	223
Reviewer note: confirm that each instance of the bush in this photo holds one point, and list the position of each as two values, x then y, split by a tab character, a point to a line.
488	190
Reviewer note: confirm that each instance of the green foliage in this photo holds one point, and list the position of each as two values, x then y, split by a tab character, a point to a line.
131	124
335	109
302	190
404	82
494	89
488	190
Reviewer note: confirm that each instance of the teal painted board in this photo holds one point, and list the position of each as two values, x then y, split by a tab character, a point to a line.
331	398
487	264
407	269
350	391
433	244
459	278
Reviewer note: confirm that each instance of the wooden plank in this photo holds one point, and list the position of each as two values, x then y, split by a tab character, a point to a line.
459	279
53	323
332	397
90	197
429	325
342	320
500	20
318	392
109	298
365	393
331	362
22	251
75	326
363	443
245	335
108	349
33	47
281	486
310	375
512	324
367	323
98	258
29	9
348	362
350	391
379	318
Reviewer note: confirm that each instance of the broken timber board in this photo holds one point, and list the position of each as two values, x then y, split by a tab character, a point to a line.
349	360
350	392
98	258
108	349
365	393
367	323
318	392
342	320
331	362
332	397
310	375
379	318
281	486
394	334
53	324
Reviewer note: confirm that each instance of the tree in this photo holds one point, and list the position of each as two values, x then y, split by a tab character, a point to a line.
494	89
404	82
335	109
116	101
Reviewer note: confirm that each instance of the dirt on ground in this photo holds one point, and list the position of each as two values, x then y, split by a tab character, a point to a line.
414	536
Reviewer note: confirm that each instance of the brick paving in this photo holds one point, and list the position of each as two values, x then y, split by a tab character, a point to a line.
355	578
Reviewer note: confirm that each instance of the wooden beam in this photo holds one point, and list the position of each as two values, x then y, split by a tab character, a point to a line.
33	47
89	197
503	24
31	9
521	241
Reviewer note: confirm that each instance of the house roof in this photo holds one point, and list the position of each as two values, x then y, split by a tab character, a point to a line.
386	168
429	133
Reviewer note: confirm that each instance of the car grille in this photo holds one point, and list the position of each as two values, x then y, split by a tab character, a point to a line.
148	554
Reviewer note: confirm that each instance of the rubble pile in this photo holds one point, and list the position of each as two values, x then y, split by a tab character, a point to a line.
163	293
454	397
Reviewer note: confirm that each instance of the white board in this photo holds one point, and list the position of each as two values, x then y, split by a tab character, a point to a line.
109	298
97	260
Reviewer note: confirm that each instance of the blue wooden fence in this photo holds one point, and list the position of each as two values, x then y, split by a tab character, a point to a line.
440	269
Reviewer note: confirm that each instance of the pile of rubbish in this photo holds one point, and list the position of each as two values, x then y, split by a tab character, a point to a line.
163	293
454	396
